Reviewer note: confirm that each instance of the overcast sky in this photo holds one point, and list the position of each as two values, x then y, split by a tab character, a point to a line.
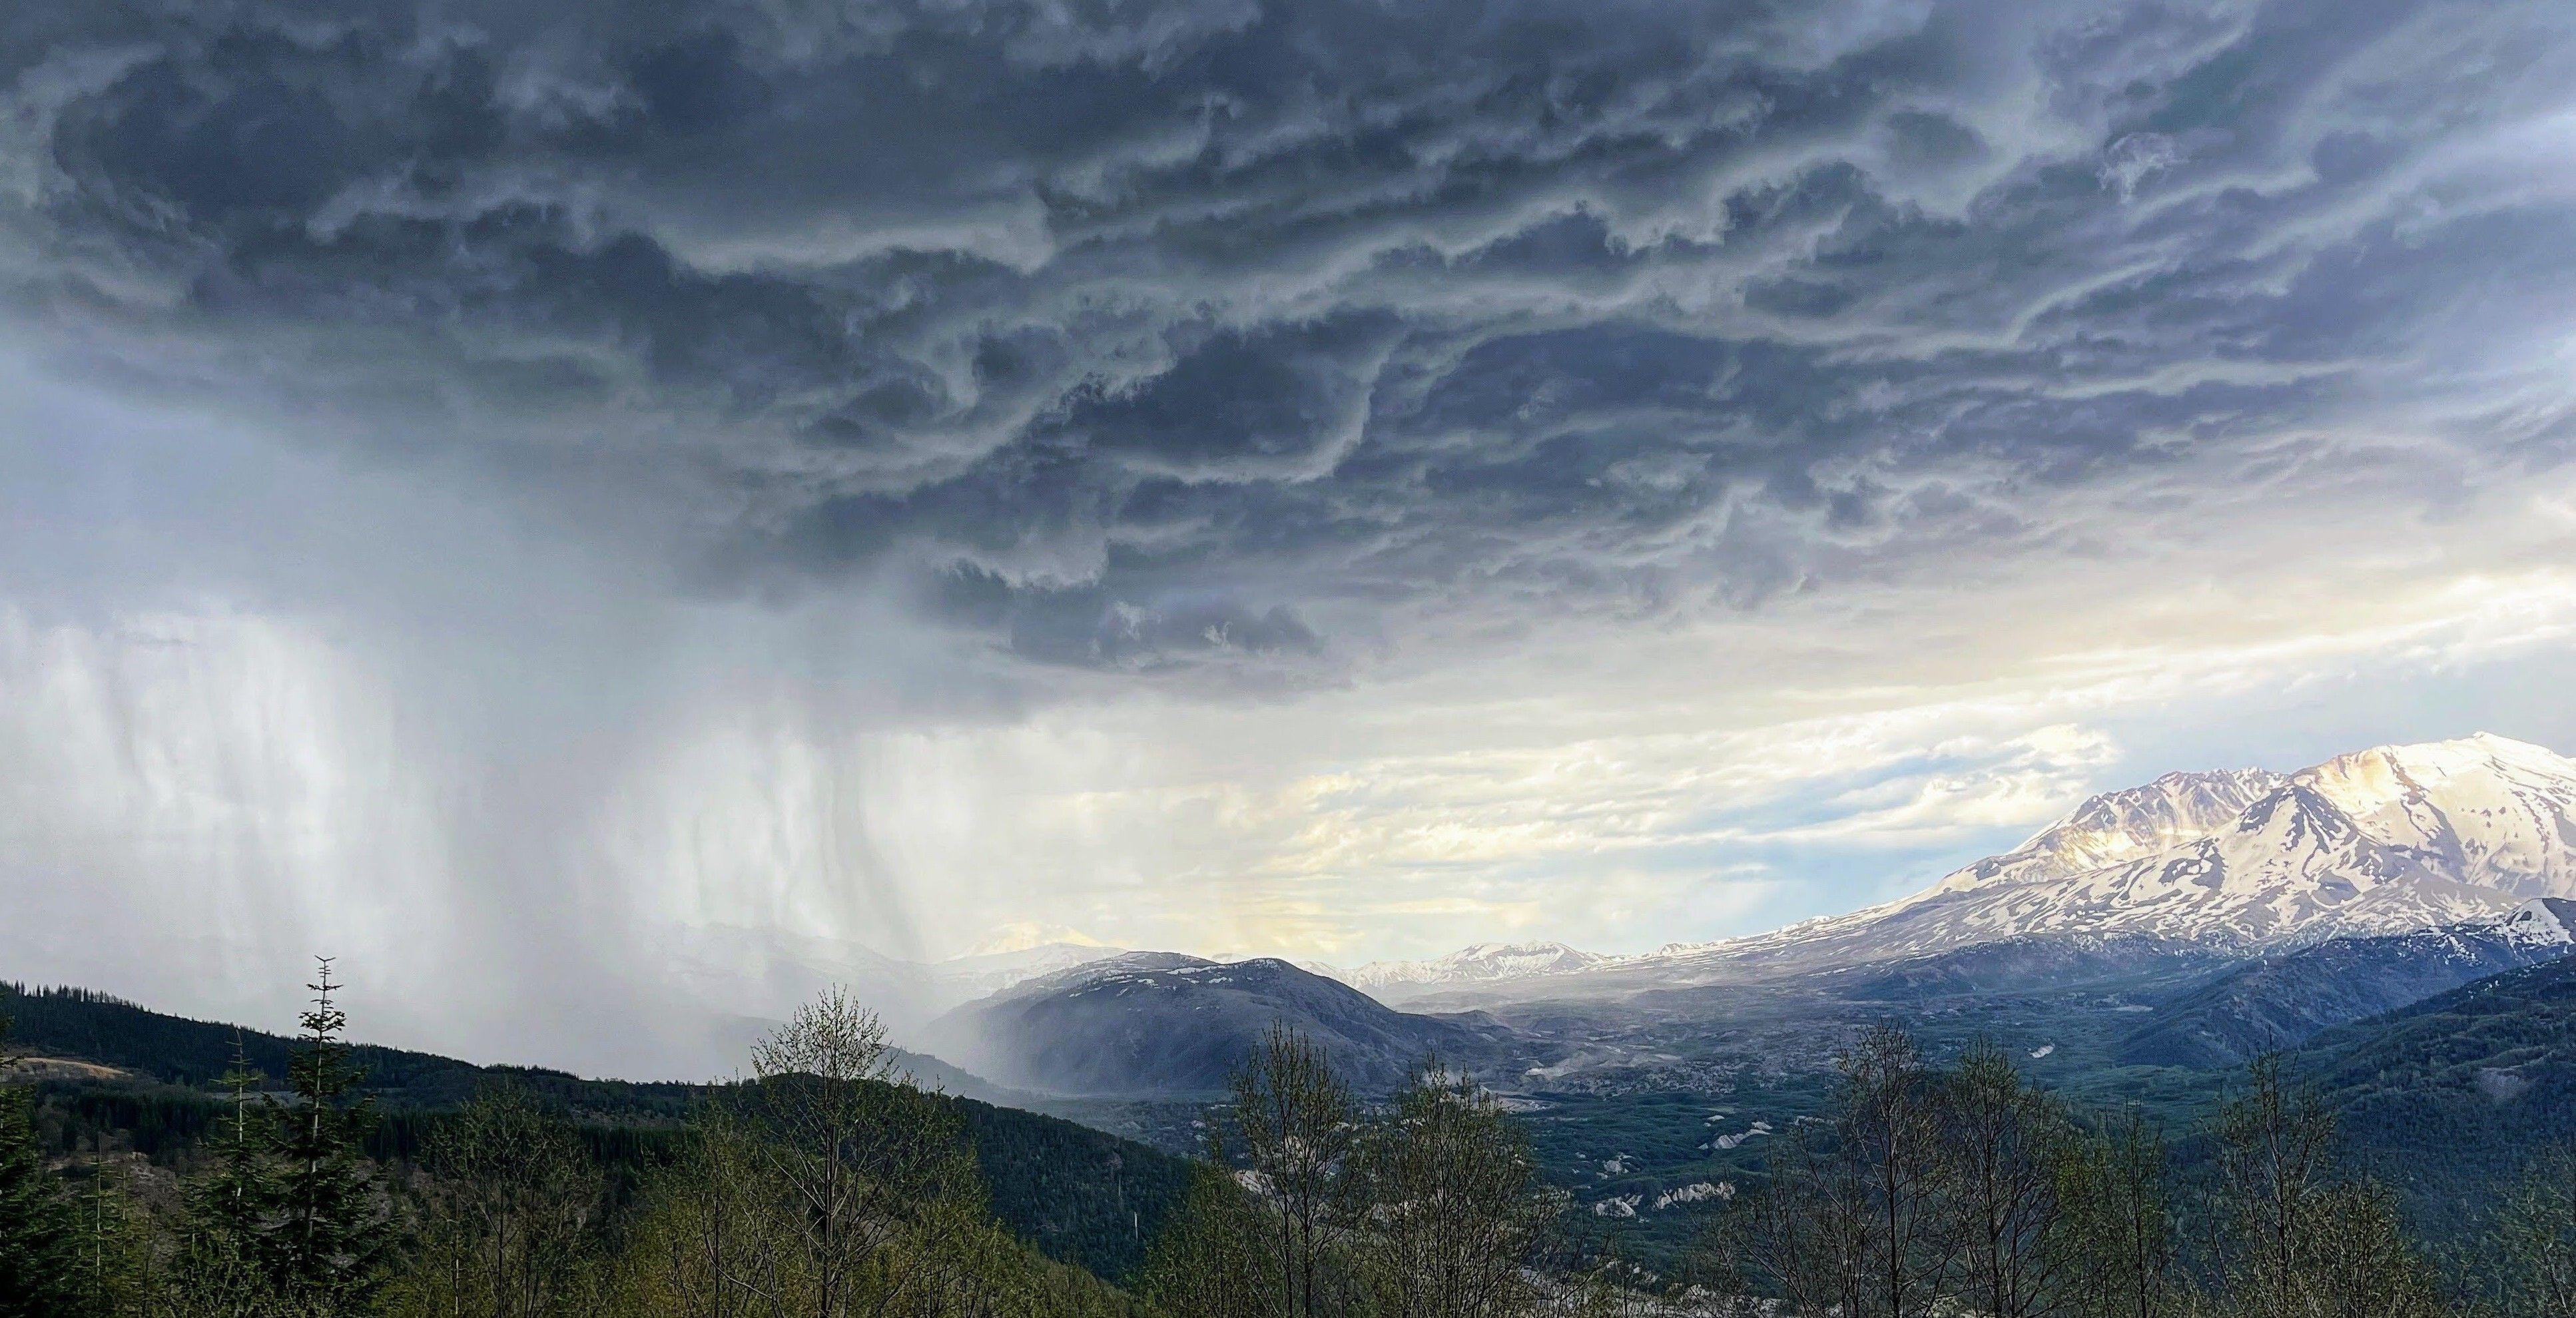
489	489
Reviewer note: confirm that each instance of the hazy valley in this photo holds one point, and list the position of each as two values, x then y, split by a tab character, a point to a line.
2139	951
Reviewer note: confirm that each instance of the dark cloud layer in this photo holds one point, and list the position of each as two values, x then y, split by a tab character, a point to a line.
1155	336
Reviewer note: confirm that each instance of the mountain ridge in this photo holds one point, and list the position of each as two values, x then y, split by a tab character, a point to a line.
2282	1001
1080	1194
1164	1023
2379	841
1479	962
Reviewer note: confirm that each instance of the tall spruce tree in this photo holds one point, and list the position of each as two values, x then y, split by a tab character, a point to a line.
223	1261
40	1275
114	1245
327	1247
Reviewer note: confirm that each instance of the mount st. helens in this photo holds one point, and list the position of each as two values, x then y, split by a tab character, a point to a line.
2104	925
2381	841
2223	864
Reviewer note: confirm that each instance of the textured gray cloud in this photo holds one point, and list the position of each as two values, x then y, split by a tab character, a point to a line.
1148	336
519	487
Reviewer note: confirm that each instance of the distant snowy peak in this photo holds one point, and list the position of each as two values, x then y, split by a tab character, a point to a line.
2378	841
2121	826
2486	810
2479	832
2388	840
2292	867
1481	964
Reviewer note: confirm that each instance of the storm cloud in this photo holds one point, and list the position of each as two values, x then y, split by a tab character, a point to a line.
1154	336
1243	352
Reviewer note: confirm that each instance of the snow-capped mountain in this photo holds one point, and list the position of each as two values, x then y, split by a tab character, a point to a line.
1484	963
2381	841
2122	826
2484	809
2290	868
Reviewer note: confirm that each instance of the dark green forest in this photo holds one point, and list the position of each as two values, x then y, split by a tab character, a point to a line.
151	1165
1081	1196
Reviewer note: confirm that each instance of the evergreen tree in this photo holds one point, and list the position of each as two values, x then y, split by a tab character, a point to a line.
326	1250
232	1211
113	1249
40	1275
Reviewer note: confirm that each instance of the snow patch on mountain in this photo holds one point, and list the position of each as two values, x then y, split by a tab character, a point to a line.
2484	810
2118	827
2541	922
1483	963
2386	840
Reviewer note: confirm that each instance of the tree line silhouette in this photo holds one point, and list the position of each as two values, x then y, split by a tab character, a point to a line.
823	1186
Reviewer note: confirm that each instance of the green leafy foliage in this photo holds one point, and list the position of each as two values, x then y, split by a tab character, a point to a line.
512	1203
1209	1260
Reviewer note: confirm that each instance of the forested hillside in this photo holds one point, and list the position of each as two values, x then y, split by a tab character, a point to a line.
1079	1195
1910	1185
2450	1098
2281	1001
